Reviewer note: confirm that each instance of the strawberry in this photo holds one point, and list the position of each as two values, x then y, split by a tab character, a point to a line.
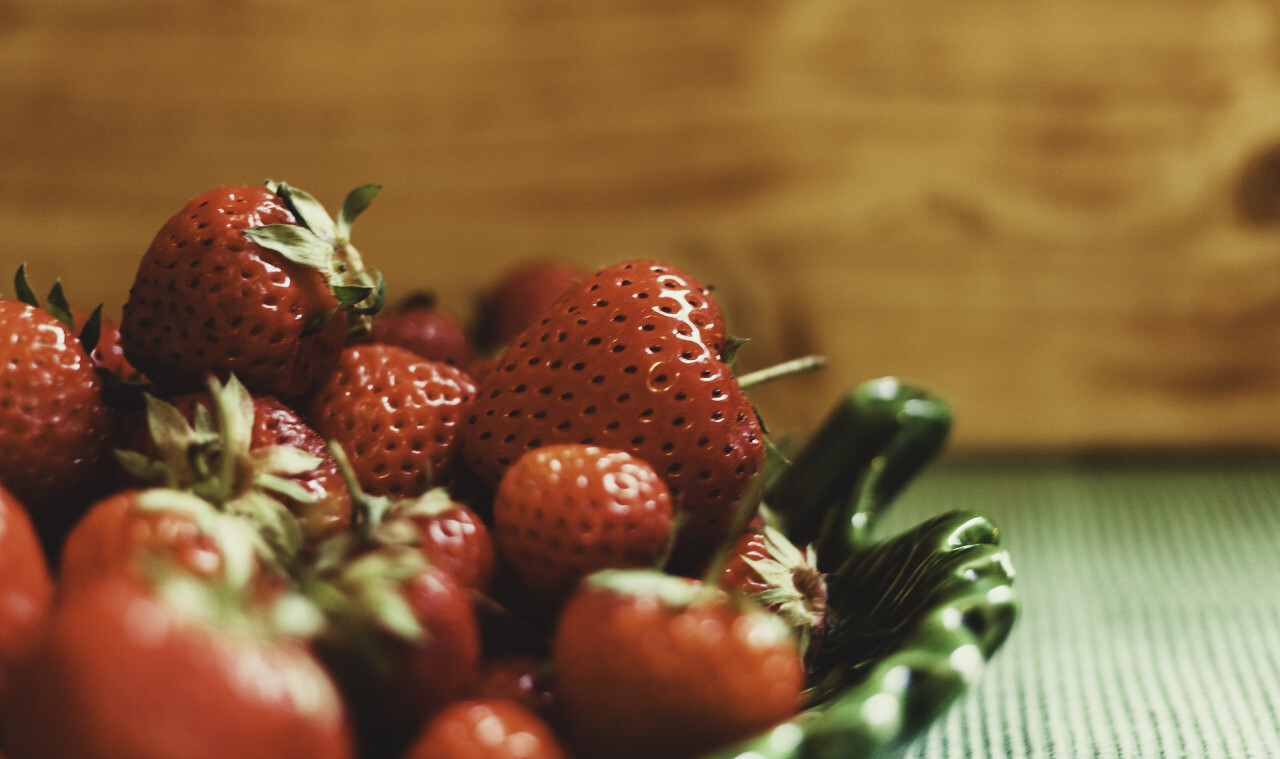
650	664
453	536
766	566
562	512
486	729
630	359
319	497
246	280
56	429
517	298
523	678
132	670
26	590
421	326
396	415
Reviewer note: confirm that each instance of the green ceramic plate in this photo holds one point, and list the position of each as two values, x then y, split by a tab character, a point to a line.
918	614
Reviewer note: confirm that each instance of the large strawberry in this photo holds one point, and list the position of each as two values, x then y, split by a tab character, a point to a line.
247	280
56	430
132	670
564	511
395	414
649	664
421	325
631	359
26	590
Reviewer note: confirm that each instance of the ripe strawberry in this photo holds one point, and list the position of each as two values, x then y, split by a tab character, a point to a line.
326	507
630	359
453	537
395	414
523	678
564	511
56	430
137	671
245	280
649	664
766	566
26	590
486	729
421	326
517	298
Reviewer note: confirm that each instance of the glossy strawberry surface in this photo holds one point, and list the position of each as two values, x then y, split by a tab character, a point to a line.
207	299
396	415
657	665
56	431
629	359
26	588
564	511
486	729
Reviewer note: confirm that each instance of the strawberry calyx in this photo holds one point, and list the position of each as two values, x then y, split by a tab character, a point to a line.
791	584
211	457
321	243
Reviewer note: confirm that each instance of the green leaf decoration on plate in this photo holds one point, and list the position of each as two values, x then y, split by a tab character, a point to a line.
916	615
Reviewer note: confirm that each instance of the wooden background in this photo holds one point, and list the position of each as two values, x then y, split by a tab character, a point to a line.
1063	216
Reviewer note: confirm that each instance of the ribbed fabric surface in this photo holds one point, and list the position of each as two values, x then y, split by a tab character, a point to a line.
1150	622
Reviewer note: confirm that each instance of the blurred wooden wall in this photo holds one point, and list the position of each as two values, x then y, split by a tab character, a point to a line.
1063	216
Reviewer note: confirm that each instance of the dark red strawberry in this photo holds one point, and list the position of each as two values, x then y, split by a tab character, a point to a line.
135	671
247	280
517	298
395	414
522	678
422	326
326	507
649	664
487	729
564	511
26	590
56	430
630	359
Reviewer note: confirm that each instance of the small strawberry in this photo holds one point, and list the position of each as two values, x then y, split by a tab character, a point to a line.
486	729
396	415
26	589
562	512
522	678
766	566
453	536
246	280
56	429
650	664
517	298
630	359
422	326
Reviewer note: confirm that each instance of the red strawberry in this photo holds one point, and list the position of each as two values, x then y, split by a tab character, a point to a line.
395	414
402	639
522	678
630	359
649	664
421	326
245	280
453	536
26	590
133	671
517	298
326	509
56	431
486	729
564	511
764	565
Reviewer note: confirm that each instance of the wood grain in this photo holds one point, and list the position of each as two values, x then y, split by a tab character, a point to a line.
1064	217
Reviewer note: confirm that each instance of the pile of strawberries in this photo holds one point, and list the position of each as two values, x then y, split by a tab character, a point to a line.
266	516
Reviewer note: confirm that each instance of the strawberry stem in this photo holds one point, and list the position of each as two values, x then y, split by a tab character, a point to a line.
779	371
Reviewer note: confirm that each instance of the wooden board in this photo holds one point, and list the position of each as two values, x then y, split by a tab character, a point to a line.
1064	217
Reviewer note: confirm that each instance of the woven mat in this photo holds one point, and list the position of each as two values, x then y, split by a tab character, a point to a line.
1150	625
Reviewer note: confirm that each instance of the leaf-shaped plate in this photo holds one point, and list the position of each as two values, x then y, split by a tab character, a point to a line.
917	614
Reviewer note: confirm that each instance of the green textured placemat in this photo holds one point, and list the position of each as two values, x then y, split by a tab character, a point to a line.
1151	609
